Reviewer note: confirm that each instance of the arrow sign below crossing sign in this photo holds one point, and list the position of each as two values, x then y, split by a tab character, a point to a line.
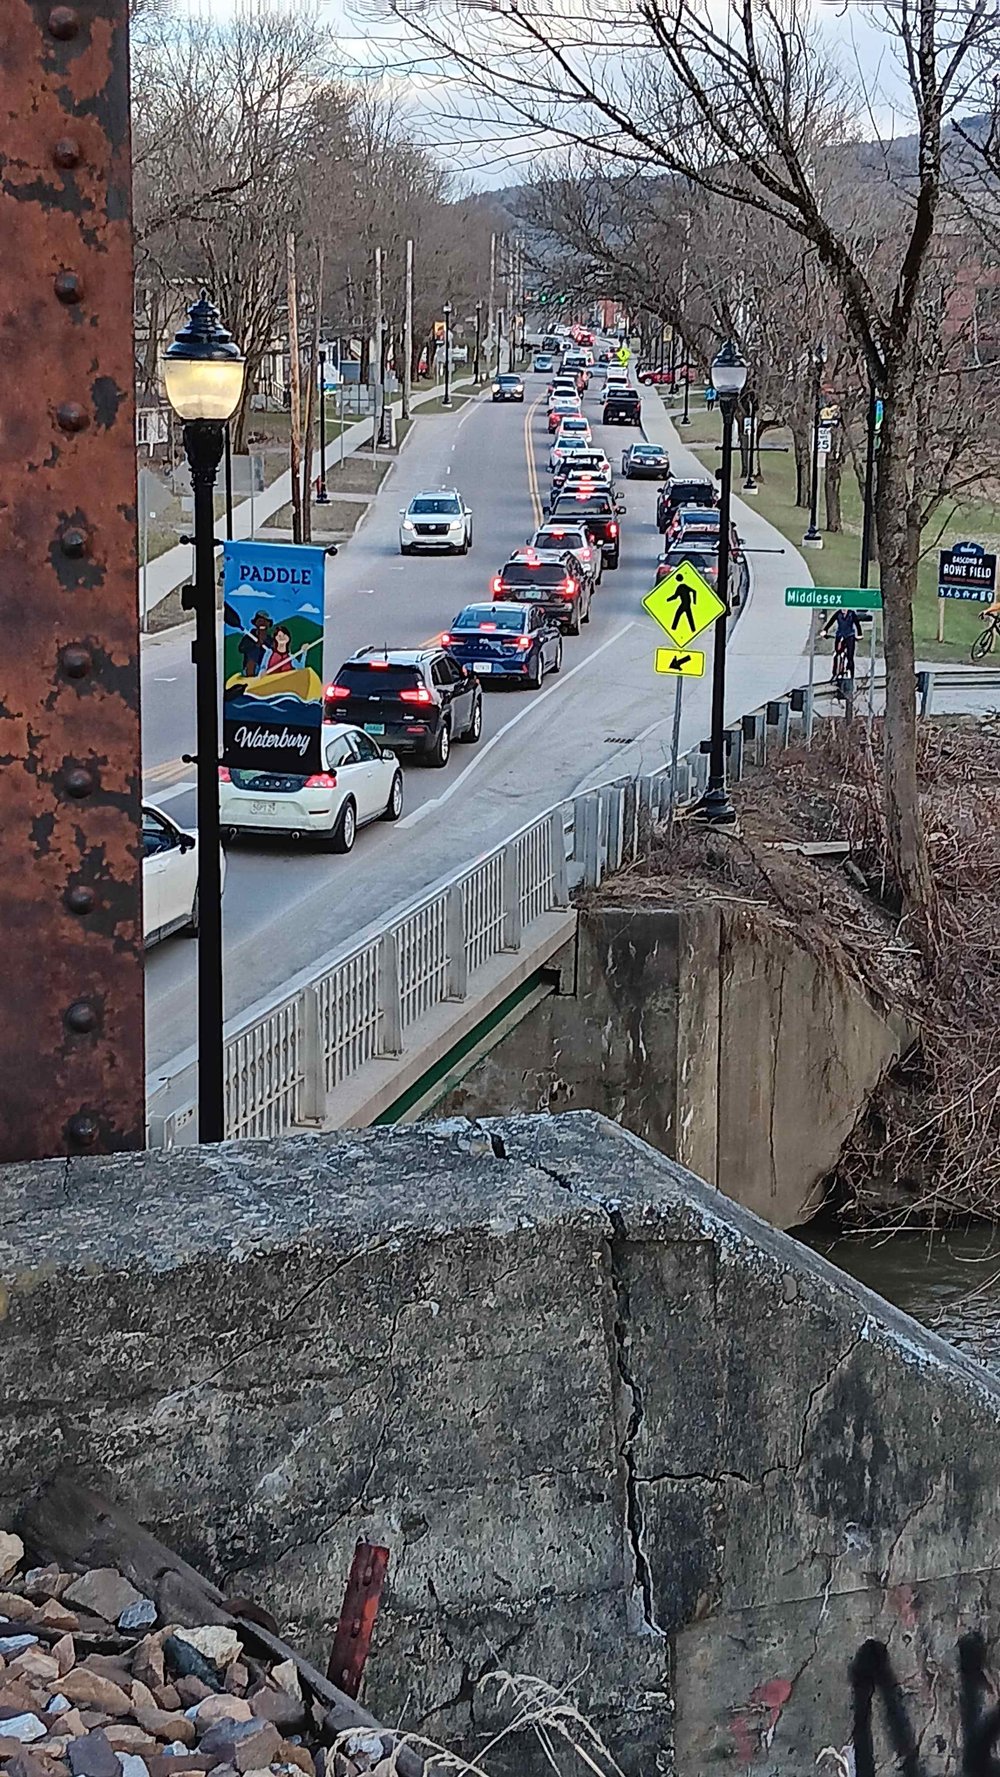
688	666
684	604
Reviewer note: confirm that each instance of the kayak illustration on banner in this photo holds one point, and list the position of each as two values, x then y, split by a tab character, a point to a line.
272	709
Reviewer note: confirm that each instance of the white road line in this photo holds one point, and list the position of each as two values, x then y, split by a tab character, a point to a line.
158	681
529	709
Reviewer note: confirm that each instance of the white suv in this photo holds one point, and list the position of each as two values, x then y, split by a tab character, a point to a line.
436	520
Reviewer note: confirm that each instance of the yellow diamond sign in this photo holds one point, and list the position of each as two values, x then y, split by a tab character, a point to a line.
689	665
684	604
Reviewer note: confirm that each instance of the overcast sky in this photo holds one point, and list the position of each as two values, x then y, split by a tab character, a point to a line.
367	41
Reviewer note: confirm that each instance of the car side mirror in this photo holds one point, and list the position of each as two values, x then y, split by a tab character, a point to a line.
387	753
187	842
621	508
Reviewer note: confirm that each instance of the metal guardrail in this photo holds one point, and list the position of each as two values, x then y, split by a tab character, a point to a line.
286	1057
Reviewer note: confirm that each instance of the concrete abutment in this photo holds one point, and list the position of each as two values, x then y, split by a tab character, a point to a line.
617	1431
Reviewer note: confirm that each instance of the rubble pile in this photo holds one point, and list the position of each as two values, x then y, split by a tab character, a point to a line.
93	1685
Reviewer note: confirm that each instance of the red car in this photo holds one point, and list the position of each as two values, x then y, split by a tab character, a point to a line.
562	410
648	373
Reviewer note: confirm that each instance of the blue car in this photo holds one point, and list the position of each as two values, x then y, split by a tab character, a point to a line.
506	641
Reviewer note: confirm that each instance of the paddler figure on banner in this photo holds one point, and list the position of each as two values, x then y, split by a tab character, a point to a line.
273	657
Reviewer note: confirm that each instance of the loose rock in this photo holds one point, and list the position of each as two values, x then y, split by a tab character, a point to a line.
11	1552
93	1756
217	1643
91	1690
213	1709
23	1728
103	1591
140	1615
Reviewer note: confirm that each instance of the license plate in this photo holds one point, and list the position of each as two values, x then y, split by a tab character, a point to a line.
482	666
263	808
533	592
374	727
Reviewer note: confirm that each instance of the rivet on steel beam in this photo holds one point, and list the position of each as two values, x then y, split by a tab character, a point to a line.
79	899
68	286
67	152
79	781
76	661
82	1128
72	417
73	541
64	22
81	1017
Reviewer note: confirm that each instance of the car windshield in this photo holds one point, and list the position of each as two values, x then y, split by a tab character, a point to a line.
435	504
372	677
684	493
513	380
696	558
543	573
647	450
267	780
591	504
701	518
489	617
561	539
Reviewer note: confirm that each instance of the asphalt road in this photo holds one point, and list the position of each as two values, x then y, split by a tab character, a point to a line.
606	713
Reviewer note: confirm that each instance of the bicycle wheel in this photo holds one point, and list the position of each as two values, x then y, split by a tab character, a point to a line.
983	643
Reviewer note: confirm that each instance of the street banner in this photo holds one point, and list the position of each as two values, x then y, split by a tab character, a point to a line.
272	708
966	572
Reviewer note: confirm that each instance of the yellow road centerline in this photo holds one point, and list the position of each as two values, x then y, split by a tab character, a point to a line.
529	455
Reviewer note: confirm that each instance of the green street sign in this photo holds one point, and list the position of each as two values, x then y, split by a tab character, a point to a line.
827	598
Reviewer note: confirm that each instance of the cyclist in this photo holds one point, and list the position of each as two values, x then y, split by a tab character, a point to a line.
848	627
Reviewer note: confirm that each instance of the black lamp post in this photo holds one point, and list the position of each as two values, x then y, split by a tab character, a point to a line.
479	338
867	523
322	497
729	373
203	371
750	482
446	311
812	536
686	415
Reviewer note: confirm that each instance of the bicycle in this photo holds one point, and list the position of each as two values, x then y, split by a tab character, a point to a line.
841	675
984	643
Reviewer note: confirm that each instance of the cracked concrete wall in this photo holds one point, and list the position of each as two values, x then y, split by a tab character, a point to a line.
617	1432
717	1036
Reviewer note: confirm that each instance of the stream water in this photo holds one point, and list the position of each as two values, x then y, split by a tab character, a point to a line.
950	1282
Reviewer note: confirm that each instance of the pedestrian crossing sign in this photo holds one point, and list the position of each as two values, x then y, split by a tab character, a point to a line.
683	663
684	604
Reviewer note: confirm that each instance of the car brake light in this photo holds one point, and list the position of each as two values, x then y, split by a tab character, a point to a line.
612	530
321	780
225	776
379	665
523	642
487	626
498	583
337	693
419	694
445	640
568	588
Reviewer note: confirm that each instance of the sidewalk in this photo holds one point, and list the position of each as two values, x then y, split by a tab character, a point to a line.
174	567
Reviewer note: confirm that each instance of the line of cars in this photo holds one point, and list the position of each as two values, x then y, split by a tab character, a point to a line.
688	517
389	704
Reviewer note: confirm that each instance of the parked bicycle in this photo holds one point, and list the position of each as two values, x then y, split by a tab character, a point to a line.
986	640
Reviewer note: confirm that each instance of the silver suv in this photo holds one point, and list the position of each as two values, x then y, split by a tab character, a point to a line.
439	519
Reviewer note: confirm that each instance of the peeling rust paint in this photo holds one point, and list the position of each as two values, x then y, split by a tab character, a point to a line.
71	1048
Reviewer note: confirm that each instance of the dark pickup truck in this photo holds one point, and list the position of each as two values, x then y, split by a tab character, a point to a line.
600	513
622	407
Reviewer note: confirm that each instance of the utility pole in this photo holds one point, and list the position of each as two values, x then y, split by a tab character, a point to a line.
294	392
479	339
491	306
509	268
408	332
379	327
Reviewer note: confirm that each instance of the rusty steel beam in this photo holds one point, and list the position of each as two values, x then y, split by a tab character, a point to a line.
353	1636
71	1000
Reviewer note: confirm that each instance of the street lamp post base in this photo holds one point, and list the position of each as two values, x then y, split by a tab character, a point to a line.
447	402
812	540
750	487
715	808
322	498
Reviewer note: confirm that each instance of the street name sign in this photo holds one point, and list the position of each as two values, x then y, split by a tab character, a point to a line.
687	666
965	571
832	598
684	604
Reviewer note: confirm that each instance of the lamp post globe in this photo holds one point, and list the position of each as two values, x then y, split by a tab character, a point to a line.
203	371
729	375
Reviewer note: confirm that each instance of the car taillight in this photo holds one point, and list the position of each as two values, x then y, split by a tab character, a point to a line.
321	780
225	777
445	640
612	529
523	642
497	583
568	588
337	693
419	694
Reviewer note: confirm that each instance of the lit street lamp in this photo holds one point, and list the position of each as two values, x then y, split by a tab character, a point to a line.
812	536
729	373
446	311
203	371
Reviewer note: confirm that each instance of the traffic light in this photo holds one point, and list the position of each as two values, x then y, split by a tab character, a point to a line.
563	299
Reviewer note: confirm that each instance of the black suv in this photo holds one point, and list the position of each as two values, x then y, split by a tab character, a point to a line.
622	407
600	513
414	700
677	493
552	579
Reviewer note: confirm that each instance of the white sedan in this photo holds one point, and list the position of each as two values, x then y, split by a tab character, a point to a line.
360	782
169	877
574	429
